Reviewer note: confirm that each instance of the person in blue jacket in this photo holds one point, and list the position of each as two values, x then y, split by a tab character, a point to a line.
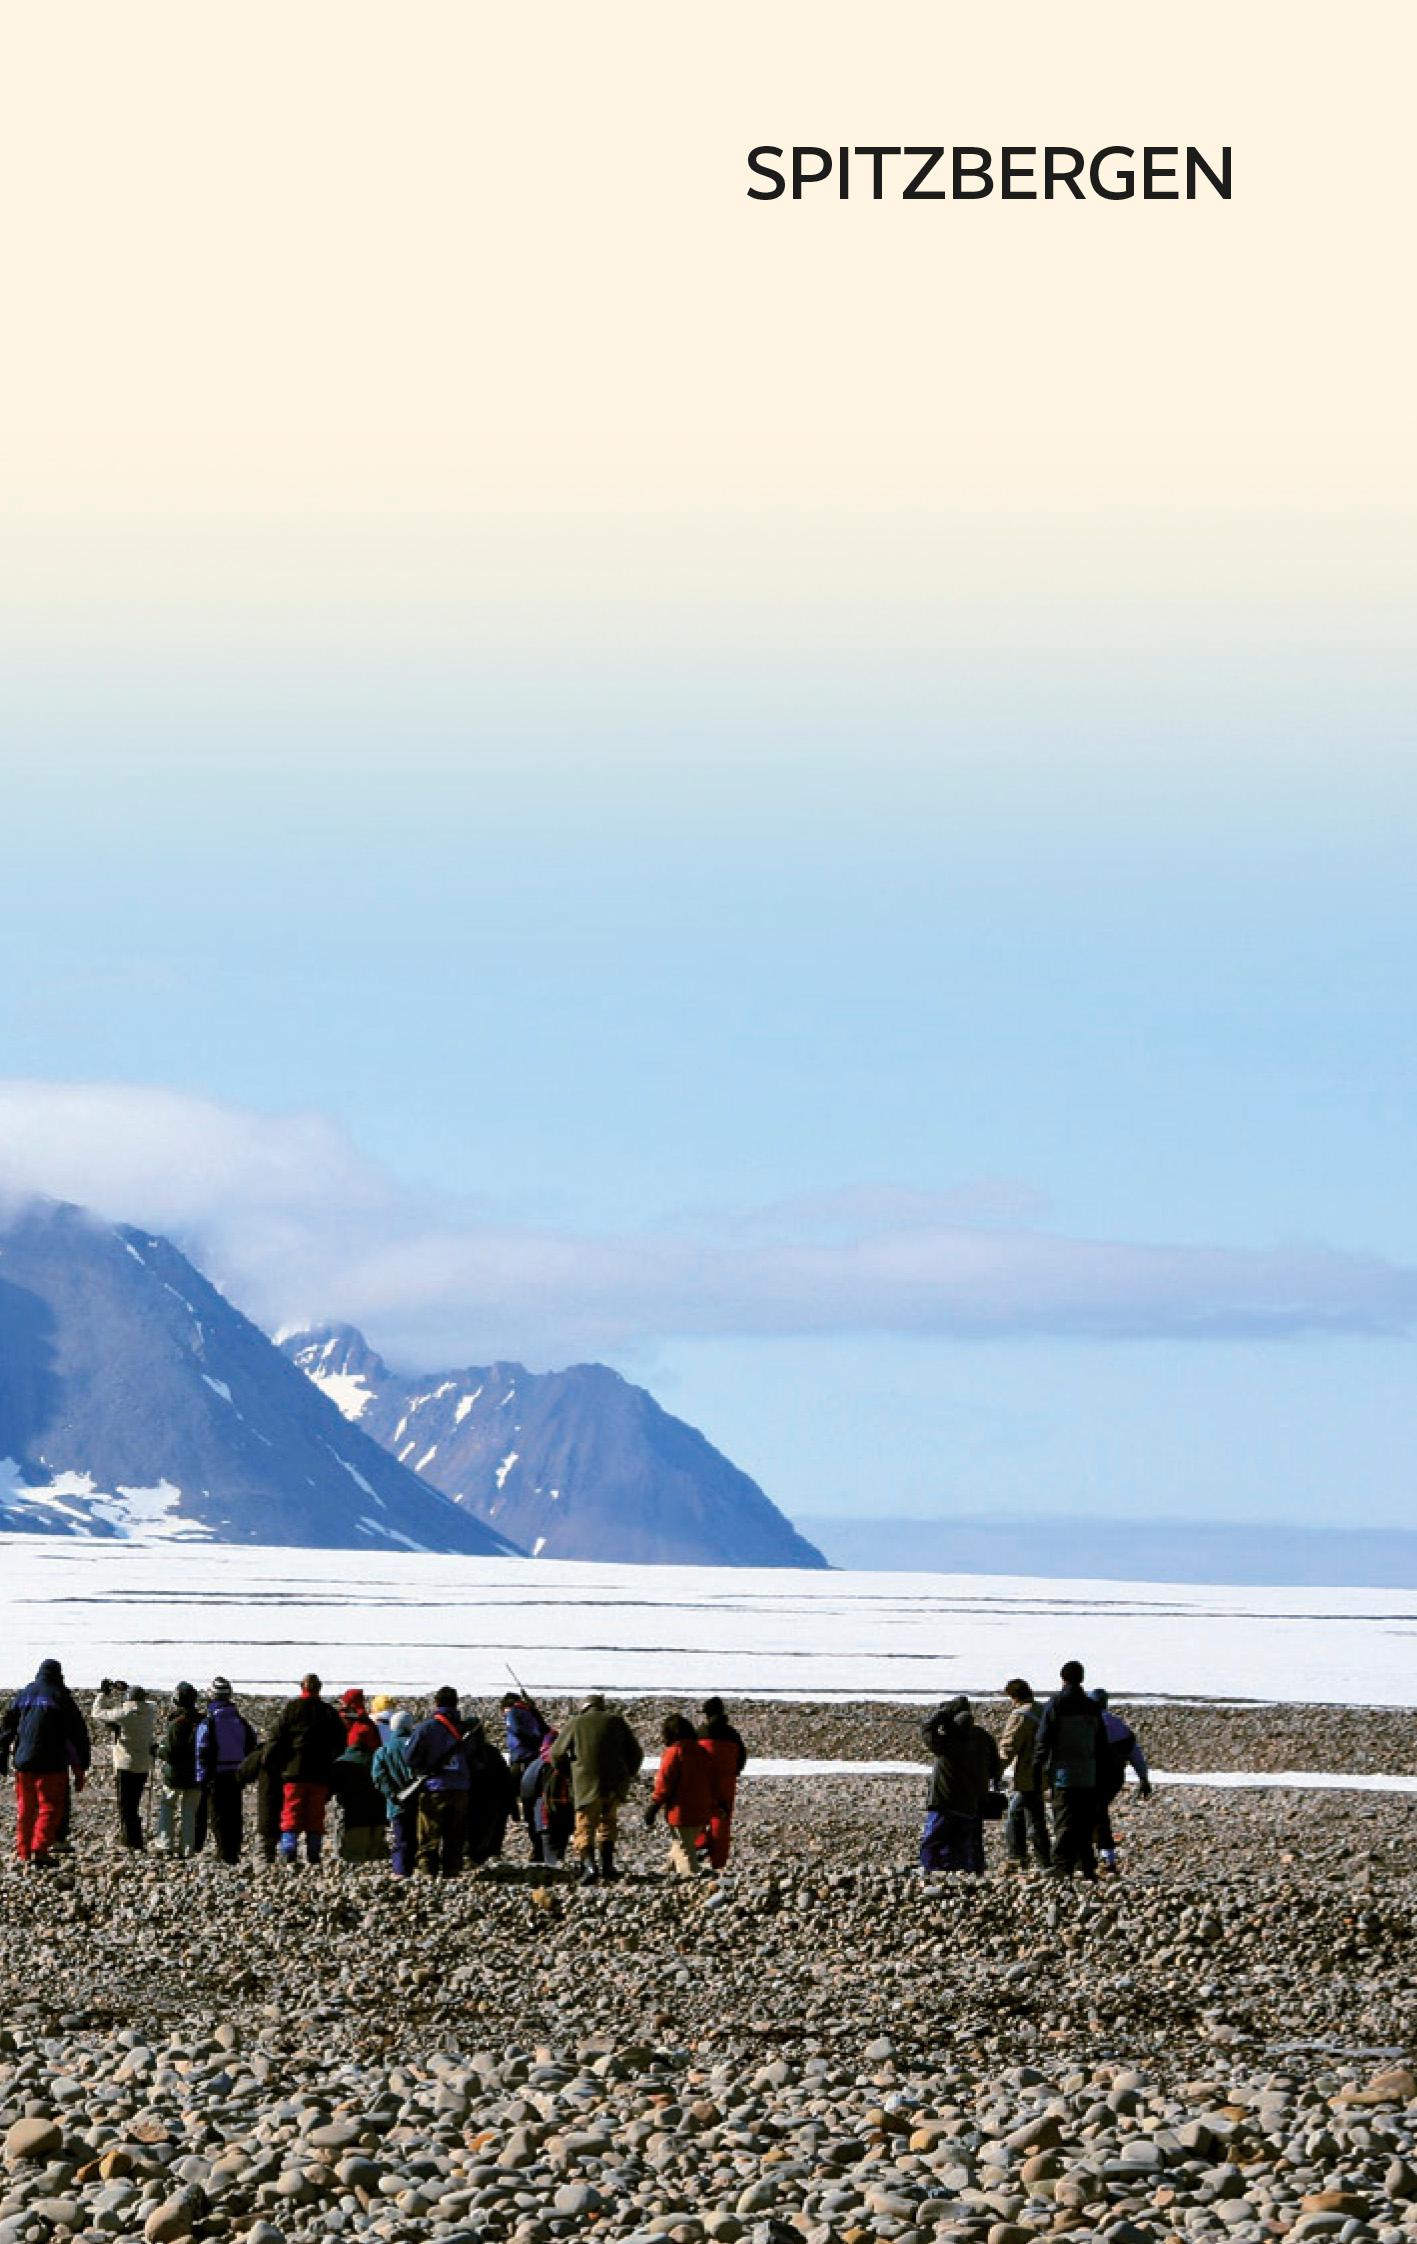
438	1754
395	1779
526	1731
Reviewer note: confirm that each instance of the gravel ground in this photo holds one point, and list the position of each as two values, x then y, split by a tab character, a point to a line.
819	2045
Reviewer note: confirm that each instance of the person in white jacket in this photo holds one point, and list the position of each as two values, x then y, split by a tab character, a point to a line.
130	1718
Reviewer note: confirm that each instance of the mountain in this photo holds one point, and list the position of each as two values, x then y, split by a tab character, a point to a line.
570	1464
135	1400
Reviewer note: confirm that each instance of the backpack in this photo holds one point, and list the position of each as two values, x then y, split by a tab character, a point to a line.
230	1732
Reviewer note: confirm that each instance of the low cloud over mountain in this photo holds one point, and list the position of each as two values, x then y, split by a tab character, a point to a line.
293	1221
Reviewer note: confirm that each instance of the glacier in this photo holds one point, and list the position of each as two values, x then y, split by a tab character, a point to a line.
405	1620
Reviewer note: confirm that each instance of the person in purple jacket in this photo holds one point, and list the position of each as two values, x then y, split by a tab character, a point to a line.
1123	1751
224	1739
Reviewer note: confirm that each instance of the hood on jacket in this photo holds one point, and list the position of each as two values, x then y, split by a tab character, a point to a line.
51	1674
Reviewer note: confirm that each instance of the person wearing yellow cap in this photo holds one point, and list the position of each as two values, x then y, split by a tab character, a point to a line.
382	1709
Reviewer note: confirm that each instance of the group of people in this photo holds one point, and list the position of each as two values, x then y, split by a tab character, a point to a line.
432	1794
1070	1756
428	1795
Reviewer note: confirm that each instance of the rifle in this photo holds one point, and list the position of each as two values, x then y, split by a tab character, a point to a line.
526	1694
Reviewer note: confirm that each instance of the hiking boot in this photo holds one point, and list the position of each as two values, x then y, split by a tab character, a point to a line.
590	1876
608	1870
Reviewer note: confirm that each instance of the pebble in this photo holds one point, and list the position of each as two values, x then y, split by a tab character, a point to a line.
818	2048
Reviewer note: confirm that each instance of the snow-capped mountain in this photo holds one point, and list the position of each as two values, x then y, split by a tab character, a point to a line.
570	1464
136	1401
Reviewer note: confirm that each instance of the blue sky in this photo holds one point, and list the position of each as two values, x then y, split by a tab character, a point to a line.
624	996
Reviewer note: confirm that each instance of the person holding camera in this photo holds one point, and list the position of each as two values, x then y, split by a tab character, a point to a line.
130	1718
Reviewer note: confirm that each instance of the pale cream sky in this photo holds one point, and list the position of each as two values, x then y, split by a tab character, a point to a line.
421	324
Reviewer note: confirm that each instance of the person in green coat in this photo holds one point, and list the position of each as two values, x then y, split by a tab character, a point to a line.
604	1757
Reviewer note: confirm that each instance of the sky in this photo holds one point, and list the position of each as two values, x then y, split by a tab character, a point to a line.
816	801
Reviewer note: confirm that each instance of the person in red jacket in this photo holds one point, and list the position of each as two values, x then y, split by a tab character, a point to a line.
728	1753
46	1740
685	1788
360	1728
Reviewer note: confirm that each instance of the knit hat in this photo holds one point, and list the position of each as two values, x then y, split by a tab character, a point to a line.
353	1700
219	1688
382	1703
401	1723
184	1695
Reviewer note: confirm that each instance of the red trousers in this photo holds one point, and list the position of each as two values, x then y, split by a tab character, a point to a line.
302	1807
720	1833
39	1811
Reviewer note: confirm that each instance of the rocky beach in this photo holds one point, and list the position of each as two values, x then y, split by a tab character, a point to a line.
819	2045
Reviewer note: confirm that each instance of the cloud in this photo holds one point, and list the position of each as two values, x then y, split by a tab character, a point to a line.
297	1226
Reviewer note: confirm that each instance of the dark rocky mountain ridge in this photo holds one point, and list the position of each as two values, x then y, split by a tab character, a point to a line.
134	1399
570	1464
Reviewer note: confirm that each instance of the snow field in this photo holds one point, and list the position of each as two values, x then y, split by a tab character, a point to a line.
155	1612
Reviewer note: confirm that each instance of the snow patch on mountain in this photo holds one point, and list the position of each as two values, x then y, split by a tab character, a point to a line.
349	1395
73	1503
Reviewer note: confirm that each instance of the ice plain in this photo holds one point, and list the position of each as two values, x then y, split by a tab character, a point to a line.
157	1611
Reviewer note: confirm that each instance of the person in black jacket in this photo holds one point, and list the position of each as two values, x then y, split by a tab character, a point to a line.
1070	1756
45	1739
178	1792
308	1739
966	1769
363	1821
492	1792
